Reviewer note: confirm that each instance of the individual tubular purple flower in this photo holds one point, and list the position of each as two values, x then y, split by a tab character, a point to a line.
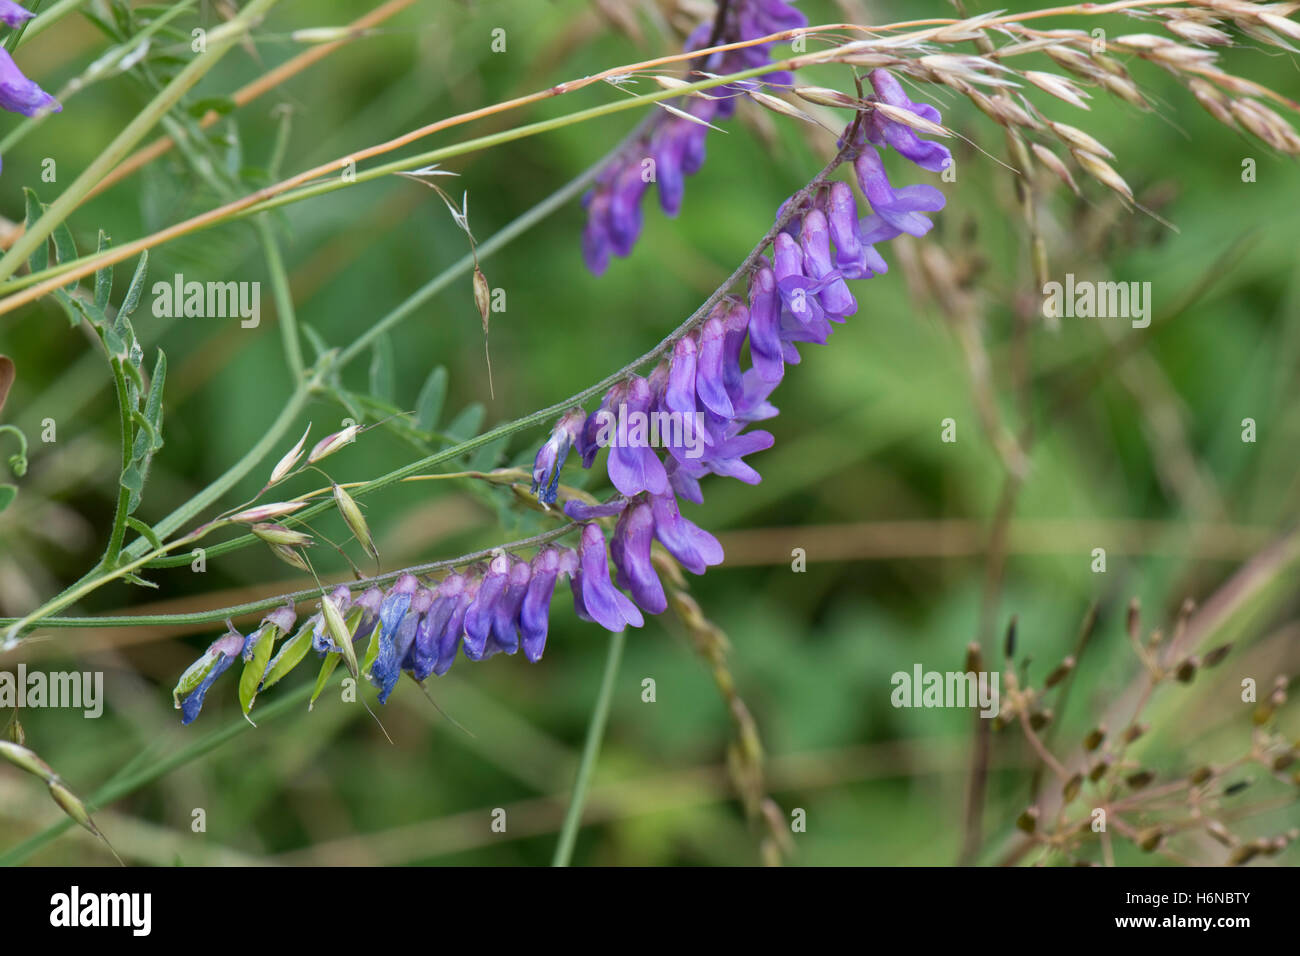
479	616
19	94
550	459
709	383
900	208
505	616
633	465
396	643
535	612
600	600
462	590
765	326
736	324
392	617
422	657
798	292
624	223
925	153
855	256
281	618
589	441
679	396
220	654
630	548
12	15
815	238
693	547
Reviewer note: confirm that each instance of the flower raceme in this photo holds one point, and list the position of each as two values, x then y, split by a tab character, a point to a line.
673	146
501	607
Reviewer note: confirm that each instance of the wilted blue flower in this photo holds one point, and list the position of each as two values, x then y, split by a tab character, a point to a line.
203	673
550	459
19	94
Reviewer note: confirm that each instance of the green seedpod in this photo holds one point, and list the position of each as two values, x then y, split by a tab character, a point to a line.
290	654
355	520
250	679
326	669
339	633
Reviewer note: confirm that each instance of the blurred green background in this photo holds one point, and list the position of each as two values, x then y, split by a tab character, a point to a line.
1136	449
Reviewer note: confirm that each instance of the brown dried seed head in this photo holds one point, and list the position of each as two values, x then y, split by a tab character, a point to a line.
1126	90
1072	788
1198	33
1216	655
824	96
1133	732
1053	162
1282	25
1186	671
1098	770
1148	840
1217	830
1028	821
1201	774
1059	674
1094	739
1059	87
1266	124
1040	718
1098	169
1077	63
1139	779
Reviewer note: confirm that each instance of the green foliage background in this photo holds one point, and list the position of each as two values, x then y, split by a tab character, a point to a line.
857	447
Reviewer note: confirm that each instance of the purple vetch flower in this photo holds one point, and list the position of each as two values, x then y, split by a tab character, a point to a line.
765	326
550	459
464	590
595	597
19	94
630	549
633	465
396	642
693	547
369	602
815	238
479	616
709	382
676	145
12	15
855	255
925	153
504	638
581	511
535	611
900	208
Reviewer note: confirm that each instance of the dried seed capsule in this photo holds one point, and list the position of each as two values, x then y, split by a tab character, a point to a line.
1028	821
1094	738
1137	781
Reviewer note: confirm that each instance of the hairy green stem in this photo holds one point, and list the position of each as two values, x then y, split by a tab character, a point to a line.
590	752
295	597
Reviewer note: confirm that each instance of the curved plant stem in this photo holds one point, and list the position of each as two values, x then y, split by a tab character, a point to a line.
590	751
294	597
